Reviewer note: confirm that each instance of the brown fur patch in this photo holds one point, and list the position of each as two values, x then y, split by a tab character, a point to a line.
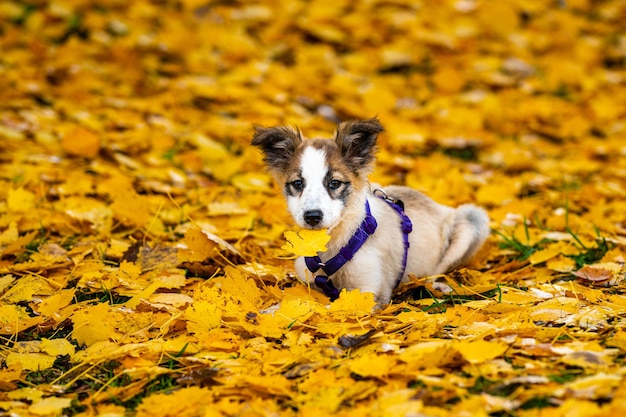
356	140
279	145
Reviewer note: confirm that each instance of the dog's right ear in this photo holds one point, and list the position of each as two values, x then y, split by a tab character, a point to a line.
278	145
356	140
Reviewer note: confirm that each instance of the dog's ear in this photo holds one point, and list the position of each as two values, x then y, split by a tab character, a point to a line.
278	145
356	140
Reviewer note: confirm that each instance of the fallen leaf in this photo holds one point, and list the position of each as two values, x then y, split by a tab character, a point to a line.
54	303
57	347
20	199
30	361
202	316
373	365
353	302
306	242
81	142
30	394
91	325
142	256
479	351
593	274
605	274
49	405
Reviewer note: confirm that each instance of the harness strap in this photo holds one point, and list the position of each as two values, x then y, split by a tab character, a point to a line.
406	226
368	227
327	287
314	263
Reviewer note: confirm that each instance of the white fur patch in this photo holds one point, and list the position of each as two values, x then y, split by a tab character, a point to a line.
314	196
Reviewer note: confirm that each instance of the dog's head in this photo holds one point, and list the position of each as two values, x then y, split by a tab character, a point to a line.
320	176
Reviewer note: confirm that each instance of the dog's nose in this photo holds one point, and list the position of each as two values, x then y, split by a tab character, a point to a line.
313	217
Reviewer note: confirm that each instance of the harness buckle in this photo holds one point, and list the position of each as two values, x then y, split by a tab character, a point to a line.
382	194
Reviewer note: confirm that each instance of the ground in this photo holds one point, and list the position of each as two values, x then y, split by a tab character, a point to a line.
143	265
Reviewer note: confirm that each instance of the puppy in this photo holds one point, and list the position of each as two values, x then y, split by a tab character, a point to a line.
377	236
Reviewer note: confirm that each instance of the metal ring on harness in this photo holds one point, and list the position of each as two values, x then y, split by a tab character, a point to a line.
387	198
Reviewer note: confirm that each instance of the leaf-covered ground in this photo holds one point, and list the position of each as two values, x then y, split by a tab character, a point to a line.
141	265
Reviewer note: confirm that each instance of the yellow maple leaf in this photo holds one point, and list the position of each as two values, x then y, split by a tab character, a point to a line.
90	324
117	248
185	402
15	319
6	281
561	264
618	339
500	18
544	255
142	295
496	193
202	245
252	181
50	406
128	206
133	210
30	361
130	269
294	310
306	242
10	234
203	316
241	288
19	244
26	287
56	347
428	354
81	142
372	365
555	309
97	213
95	161
56	302
30	394
11	314
353	302
165	300
19	200
10	374
199	246
479	351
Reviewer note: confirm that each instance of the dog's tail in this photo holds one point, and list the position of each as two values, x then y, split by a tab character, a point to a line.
469	232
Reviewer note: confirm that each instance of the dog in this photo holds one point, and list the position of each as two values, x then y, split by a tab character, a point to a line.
378	236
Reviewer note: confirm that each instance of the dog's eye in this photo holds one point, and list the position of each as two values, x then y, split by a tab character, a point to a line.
334	184
297	185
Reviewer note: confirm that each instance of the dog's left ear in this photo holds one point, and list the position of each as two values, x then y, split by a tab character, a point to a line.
356	140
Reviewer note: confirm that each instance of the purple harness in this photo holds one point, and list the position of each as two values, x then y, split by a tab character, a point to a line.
368	227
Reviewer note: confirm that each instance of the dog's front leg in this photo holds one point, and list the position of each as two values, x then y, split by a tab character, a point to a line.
369	277
369	272
303	272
